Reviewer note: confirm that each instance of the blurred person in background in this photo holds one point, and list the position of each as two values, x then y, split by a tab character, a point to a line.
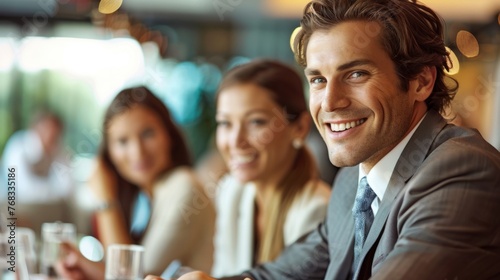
272	194
44	181
40	162
146	191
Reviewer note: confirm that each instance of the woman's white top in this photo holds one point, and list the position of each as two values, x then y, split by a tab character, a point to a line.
234	234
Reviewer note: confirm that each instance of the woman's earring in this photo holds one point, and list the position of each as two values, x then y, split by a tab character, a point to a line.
297	143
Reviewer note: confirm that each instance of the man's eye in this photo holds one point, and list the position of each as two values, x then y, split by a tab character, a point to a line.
357	74
317	80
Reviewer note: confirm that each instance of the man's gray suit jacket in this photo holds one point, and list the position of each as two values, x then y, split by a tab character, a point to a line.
439	217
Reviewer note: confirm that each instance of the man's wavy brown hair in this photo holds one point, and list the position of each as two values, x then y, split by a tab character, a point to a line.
411	33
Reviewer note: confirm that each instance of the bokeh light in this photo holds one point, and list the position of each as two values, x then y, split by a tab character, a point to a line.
109	6
467	43
453	63
292	37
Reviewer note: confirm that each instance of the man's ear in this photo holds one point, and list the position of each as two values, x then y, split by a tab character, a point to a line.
423	84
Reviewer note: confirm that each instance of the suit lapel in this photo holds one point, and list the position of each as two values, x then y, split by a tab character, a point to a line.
410	160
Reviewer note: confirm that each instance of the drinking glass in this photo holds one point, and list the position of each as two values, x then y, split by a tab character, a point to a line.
26	241
52	236
124	262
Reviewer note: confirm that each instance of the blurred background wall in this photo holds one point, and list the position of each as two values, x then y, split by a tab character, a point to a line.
73	56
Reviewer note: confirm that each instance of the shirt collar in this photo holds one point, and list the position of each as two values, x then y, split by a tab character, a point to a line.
379	176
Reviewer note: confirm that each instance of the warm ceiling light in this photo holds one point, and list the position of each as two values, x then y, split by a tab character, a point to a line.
467	43
453	63
292	37
109	6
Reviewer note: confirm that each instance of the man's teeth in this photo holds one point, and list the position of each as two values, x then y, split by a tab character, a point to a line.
344	126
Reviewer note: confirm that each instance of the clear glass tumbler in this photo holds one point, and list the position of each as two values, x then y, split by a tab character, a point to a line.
124	262
52	236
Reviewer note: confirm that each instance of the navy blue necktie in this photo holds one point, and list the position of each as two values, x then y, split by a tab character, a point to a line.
363	218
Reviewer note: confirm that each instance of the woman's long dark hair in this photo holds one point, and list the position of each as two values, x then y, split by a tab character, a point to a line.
124	101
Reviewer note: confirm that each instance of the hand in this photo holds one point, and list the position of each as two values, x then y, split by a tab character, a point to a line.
103	182
74	266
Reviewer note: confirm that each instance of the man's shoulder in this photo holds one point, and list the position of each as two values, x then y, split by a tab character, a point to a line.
456	142
437	140
16	140
453	133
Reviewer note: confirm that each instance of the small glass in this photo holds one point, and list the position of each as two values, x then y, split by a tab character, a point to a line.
26	241
124	262
52	236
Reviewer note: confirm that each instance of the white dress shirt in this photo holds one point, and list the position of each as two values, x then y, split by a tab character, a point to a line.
379	176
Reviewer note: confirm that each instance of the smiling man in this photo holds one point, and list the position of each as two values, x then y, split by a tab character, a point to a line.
357	101
418	198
